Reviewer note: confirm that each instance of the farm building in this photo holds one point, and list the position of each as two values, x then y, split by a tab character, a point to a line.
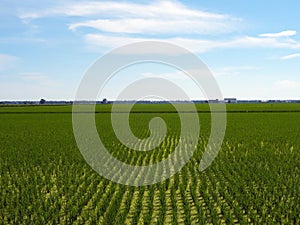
230	100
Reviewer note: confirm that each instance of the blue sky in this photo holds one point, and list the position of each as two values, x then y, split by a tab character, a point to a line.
252	47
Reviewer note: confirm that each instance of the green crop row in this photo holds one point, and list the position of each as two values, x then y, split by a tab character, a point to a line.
155	108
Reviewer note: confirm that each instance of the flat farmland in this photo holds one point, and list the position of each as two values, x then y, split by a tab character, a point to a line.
254	179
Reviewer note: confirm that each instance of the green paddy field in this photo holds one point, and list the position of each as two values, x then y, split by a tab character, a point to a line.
255	178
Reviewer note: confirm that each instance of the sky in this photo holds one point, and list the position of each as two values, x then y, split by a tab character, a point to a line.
251	47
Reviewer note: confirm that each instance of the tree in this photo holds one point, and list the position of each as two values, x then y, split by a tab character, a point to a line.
104	101
42	101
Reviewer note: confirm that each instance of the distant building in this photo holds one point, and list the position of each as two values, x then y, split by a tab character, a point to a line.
230	100
213	101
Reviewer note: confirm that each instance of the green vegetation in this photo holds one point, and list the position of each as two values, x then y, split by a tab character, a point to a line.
163	108
254	179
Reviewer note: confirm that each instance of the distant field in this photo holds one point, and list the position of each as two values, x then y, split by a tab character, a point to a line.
254	179
252	107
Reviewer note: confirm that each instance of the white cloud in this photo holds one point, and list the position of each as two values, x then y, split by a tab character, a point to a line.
156	26
286	33
158	17
165	9
121	23
287	84
107	41
194	45
292	56
6	61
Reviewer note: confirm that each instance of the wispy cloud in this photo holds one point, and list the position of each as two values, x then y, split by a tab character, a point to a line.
157	26
286	33
291	56
120	23
195	45
121	9
158	17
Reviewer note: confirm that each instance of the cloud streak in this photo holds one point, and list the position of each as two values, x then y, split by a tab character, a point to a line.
292	56
158	17
286	33
195	45
156	26
113	24
165	9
